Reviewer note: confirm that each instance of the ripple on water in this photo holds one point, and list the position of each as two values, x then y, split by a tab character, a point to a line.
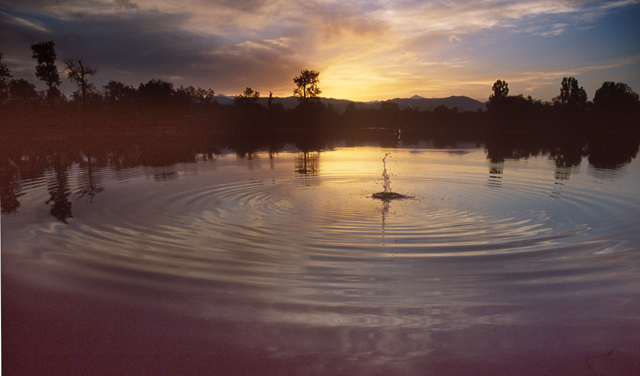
274	215
318	240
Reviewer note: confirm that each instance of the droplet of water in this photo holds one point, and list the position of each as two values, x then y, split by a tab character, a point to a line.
386	182
387	194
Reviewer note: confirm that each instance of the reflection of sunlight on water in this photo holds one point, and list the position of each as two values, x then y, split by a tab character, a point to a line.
295	241
451	213
405	316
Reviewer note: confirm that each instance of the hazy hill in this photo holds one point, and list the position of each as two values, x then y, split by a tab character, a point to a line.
420	103
416	102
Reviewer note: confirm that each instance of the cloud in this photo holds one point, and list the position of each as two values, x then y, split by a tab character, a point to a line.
126	5
359	47
418	18
148	43
23	22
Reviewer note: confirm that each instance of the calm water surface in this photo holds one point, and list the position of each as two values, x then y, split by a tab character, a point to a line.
284	264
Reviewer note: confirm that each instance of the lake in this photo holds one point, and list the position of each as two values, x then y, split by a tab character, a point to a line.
137	260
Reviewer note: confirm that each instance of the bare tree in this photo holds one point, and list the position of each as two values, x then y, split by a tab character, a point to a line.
79	73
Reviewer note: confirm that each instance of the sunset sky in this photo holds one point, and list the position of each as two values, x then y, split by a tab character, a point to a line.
364	50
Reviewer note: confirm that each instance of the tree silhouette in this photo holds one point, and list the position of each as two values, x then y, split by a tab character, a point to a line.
389	107
10	187
155	94
117	92
199	95
307	85
79	73
500	90
247	98
5	75
571	94
22	93
500	95
270	100
59	200
615	96
46	70
616	105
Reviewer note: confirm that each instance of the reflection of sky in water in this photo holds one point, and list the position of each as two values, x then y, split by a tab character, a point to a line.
259	241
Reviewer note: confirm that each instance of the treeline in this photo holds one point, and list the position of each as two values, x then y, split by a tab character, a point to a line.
615	107
156	102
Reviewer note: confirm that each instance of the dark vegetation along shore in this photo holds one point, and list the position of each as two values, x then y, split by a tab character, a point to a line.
615	108
156	123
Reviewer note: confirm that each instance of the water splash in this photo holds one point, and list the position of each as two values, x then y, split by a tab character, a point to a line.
386	182
387	193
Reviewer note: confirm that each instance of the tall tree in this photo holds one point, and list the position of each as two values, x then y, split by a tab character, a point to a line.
497	100
5	72
500	90
46	70
571	94
79	73
270	100
307	85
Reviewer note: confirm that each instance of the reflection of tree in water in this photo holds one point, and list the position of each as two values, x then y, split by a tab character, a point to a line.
246	154
21	159
611	152
90	185
307	166
569	153
310	141
500	153
308	163
565	158
207	156
607	151
59	191
10	188
165	176
495	175
249	160
556	191
273	150
562	174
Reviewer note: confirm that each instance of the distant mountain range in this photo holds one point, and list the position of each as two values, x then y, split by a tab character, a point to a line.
416	102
